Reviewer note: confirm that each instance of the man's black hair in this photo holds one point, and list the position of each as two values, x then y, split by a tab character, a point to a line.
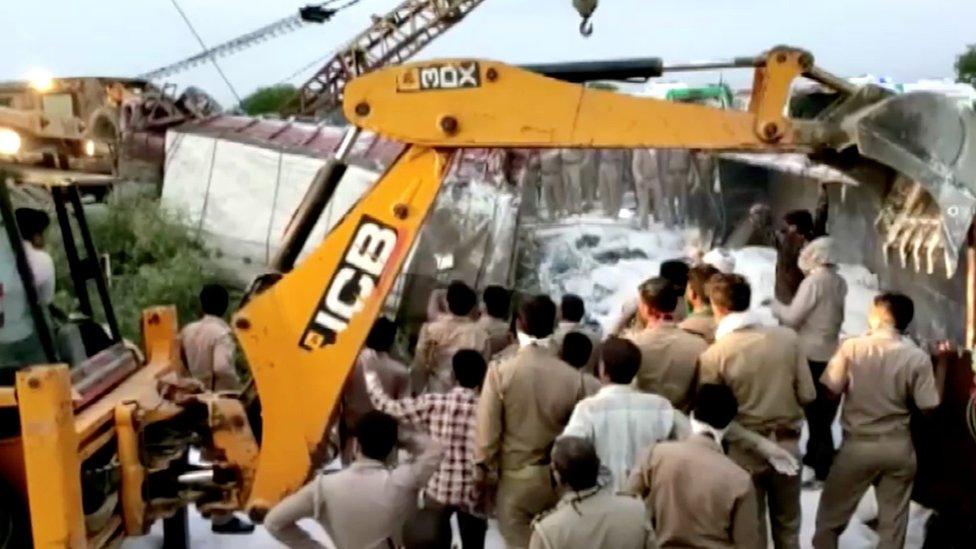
659	294
802	220
675	271
698	279
382	335
576	349
621	359
31	222
576	461
461	299
715	405
498	301
377	434
537	316
214	299
899	306
469	368
572	309
730	291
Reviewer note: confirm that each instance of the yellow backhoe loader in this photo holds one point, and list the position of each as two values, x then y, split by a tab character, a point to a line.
98	449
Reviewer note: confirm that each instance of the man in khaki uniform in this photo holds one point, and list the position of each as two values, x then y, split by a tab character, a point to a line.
494	318
817	313
577	351
364	505
589	516
879	374
590	173
697	496
530	184
572	160
611	173
669	354
677	178
553	189
767	371
525	404
701	320
208	345
440	338
572	313
392	374
647	188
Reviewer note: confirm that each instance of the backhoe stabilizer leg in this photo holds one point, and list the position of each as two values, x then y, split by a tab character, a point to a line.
302	335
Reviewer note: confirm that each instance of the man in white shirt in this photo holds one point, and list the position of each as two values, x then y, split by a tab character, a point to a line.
19	345
624	423
364	506
33	225
620	420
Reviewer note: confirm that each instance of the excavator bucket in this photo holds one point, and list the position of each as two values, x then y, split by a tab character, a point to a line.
930	139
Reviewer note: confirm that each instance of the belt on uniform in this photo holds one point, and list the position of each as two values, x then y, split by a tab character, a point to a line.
896	434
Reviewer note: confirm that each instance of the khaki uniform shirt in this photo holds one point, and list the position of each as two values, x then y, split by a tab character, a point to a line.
437	343
816	312
393	377
208	349
697	496
525	403
498	330
700	323
593	519
880	374
363	506
768	372
669	357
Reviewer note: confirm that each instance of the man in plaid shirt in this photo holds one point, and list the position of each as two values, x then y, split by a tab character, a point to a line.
449	418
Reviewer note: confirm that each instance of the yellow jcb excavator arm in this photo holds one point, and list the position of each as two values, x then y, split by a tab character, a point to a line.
301	336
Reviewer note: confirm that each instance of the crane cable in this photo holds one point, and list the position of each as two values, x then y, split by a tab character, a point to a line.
204	47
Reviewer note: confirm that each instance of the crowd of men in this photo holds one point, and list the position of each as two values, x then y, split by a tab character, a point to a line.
679	428
669	185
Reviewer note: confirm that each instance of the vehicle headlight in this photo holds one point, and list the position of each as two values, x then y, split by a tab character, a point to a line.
90	147
9	141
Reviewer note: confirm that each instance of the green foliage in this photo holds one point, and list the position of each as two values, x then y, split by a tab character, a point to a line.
271	99
966	65
155	258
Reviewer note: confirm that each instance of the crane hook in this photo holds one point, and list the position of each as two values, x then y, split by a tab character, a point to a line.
586	8
586	27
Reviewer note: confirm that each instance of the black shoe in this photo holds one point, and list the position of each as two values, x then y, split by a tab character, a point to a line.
232	526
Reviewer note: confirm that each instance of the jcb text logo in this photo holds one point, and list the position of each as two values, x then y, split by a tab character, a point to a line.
354	281
440	76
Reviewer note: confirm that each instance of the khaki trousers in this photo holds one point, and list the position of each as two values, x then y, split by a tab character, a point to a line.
886	463
554	195
522	494
611	195
573	185
777	494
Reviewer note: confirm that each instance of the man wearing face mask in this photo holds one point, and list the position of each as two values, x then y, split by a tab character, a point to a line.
525	403
817	313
